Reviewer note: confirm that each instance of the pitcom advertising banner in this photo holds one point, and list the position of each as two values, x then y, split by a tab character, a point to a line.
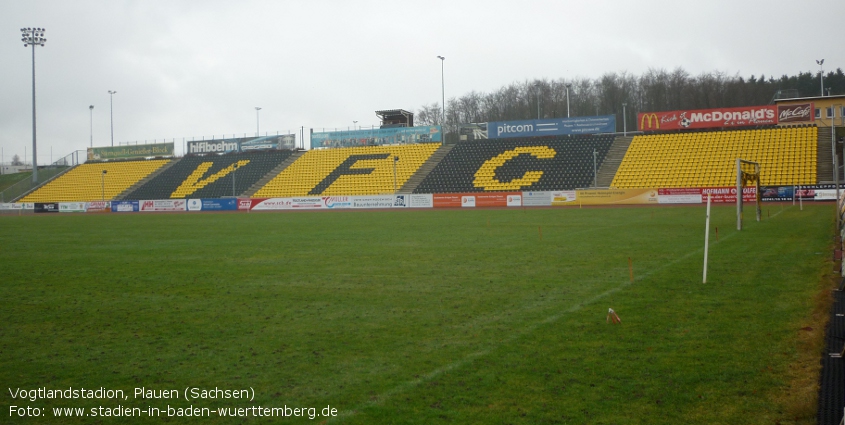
164	205
536	199
135	151
242	144
228	204
421	201
551	127
800	113
46	207
481	199
98	206
613	197
708	118
125	206
376	136
68	207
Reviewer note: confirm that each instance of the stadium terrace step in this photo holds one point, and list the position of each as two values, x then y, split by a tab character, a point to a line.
143	181
37	186
613	159
825	158
273	173
426	168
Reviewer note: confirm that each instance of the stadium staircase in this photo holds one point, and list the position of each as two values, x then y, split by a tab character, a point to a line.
825	157
612	161
143	181
273	173
426	168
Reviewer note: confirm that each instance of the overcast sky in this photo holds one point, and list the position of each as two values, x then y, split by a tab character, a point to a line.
199	68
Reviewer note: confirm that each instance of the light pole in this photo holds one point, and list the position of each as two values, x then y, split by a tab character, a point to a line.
111	113
256	121
537	91
395	160
354	125
33	37
568	85
442	90
624	120
235	168
821	74
103	185
91	110
595	176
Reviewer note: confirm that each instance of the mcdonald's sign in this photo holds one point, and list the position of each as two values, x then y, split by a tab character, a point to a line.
649	121
708	118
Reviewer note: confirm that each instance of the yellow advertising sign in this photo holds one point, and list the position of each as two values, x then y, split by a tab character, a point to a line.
608	197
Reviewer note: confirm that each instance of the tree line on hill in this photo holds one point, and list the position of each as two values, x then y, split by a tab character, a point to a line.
654	91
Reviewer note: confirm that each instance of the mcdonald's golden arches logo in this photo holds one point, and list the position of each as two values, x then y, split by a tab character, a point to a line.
651	120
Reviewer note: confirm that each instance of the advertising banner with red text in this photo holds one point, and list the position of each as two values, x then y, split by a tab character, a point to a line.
163	205
481	199
698	195
708	118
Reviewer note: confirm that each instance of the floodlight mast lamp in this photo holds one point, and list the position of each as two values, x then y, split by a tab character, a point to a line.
442	90
33	37
111	113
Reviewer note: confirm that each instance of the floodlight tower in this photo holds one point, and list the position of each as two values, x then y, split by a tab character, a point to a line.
821	73
442	90
33	37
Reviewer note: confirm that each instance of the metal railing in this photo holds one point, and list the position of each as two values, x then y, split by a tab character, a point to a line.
45	173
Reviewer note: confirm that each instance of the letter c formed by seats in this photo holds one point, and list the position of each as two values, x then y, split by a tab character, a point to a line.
485	176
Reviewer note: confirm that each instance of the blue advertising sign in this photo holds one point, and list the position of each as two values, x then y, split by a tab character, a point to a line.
376	136
551	127
225	204
125	206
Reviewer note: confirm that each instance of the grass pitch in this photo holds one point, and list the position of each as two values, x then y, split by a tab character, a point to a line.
420	316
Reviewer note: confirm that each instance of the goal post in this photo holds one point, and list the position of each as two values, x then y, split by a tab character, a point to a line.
744	177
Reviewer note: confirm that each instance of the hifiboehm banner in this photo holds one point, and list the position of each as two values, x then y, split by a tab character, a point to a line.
163	205
708	118
72	207
472	200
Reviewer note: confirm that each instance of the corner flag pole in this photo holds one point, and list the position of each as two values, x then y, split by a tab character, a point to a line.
706	239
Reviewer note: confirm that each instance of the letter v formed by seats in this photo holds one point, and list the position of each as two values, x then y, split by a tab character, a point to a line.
195	182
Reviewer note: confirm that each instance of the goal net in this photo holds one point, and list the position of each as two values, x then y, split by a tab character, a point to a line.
747	174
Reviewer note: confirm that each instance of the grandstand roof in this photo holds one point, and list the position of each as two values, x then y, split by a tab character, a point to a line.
793	99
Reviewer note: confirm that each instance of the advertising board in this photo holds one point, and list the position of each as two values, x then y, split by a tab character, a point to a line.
376	136
125	206
480	199
98	206
242	144
69	207
615	197
11	207
551	127
46	207
708	118
536	199
563	197
225	204
159	205
684	195
133	151
379	201
796	113
419	200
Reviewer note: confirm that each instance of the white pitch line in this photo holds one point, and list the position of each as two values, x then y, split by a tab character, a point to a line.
381	398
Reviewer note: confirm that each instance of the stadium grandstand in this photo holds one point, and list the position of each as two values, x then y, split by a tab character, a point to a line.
787	156
368	170
94	181
519	164
210	176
